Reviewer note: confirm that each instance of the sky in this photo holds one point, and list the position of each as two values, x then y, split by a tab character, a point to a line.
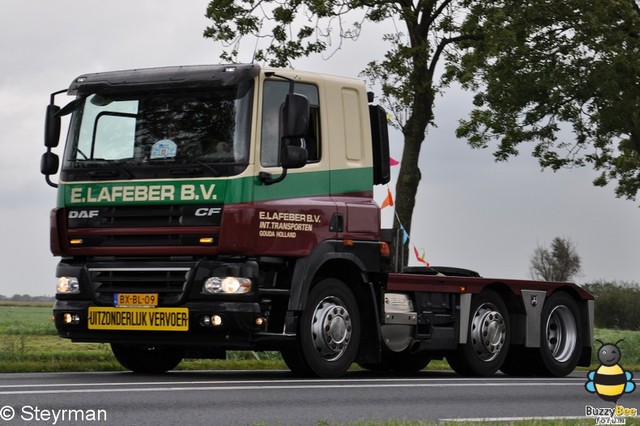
470	211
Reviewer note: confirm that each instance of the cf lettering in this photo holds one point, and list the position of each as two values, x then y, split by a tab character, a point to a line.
207	211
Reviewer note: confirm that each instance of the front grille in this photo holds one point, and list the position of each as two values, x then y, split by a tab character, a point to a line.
169	282
134	240
144	216
144	226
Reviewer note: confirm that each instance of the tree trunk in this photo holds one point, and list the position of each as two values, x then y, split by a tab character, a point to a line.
409	176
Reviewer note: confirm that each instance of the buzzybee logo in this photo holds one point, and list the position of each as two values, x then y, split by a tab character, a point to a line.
610	381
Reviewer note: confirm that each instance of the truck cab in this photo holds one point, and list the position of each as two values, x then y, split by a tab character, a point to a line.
192	199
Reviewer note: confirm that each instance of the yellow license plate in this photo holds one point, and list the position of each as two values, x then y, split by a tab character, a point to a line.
156	319
132	300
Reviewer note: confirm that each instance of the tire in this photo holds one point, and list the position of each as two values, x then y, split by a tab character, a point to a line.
148	359
560	336
294	359
487	339
328	333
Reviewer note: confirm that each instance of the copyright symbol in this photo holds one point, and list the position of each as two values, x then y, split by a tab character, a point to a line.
7	413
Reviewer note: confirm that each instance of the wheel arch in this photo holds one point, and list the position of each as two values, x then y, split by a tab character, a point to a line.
326	261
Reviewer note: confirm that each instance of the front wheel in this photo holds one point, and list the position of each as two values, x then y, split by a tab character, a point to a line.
487	339
148	359
328	333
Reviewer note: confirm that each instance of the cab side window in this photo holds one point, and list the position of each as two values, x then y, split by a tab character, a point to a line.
275	92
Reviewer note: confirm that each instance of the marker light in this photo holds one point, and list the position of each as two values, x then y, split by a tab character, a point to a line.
385	250
68	285
76	242
228	285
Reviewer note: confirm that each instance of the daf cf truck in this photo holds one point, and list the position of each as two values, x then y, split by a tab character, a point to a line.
203	209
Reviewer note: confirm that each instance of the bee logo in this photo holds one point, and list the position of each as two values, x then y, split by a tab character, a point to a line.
610	381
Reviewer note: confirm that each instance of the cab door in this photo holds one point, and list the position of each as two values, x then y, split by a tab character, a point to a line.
294	215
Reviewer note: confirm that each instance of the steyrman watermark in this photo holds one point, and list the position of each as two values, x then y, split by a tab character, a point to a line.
30	413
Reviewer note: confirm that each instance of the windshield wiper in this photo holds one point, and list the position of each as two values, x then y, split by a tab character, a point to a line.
107	173
185	170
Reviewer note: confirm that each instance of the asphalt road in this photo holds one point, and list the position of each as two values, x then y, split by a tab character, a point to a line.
224	398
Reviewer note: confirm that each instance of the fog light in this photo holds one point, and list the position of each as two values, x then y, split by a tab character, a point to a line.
260	321
211	320
69	318
68	285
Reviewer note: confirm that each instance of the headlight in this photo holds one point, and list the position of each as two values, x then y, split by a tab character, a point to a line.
68	285
228	285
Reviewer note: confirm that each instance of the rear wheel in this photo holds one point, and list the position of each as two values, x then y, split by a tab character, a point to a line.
328	333
487	339
148	359
561	335
560	338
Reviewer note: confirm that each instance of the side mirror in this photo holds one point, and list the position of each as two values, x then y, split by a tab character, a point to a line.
294	157
295	116
49	163
294	125
52	126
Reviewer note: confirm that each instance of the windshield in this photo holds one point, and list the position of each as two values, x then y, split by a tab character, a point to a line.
160	134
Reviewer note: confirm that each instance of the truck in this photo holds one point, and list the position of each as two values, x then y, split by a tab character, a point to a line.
203	209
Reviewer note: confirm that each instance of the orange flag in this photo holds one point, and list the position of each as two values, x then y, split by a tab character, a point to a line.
387	201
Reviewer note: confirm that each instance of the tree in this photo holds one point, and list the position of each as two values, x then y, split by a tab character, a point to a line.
563	75
560	262
616	304
408	74
537	67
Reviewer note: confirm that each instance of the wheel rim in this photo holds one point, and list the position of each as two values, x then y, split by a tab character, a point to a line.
488	332
561	333
331	328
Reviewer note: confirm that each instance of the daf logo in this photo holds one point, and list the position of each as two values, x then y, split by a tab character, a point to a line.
83	214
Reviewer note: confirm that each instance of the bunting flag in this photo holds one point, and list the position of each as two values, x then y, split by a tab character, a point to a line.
387	201
393	162
405	235
420	258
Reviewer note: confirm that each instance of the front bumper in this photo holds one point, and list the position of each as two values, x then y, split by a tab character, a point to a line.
184	315
242	326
